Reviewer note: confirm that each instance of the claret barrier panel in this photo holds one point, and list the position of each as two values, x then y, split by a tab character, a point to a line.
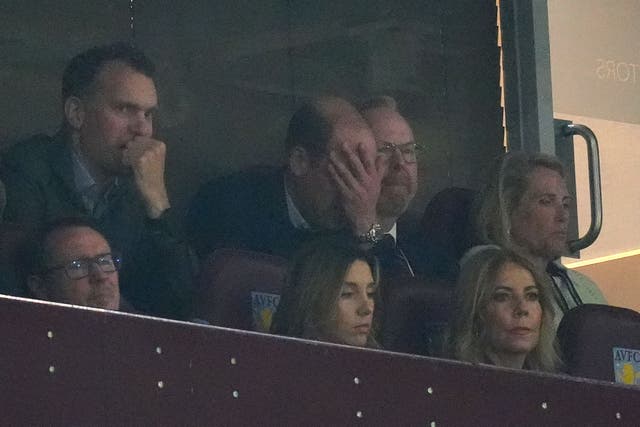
62	365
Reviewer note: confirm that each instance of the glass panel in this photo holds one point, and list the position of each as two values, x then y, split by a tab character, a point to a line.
231	74
596	82
236	72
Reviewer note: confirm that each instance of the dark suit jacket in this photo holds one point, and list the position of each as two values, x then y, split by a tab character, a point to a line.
245	210
156	271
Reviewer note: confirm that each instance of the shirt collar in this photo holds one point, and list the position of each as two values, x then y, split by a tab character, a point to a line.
394	231
296	218
86	185
82	179
298	221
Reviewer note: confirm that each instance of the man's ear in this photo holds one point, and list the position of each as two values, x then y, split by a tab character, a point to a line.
299	161
74	112
37	287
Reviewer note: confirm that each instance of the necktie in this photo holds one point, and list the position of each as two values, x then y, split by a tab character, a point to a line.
393	263
566	295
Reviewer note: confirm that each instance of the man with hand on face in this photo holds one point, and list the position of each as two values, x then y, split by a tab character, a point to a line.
331	184
105	164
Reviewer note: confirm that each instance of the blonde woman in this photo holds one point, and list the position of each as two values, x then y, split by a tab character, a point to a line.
502	313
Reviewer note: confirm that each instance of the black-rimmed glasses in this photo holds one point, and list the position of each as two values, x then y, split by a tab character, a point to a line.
79	268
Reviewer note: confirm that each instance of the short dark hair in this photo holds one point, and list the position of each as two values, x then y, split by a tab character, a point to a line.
308	128
81	71
39	256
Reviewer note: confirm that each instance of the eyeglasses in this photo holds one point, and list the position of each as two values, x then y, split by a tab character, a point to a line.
79	268
408	151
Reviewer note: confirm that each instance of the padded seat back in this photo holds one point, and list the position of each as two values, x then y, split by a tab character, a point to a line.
415	315
15	240
598	340
239	289
447	220
447	230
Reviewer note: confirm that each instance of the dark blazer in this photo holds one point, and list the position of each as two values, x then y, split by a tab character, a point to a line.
248	210
156	272
245	210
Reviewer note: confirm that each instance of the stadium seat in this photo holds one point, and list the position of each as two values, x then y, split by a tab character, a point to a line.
415	315
239	289
447	230
14	241
595	340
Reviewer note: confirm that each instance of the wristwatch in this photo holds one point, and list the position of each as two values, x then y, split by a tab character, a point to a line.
374	234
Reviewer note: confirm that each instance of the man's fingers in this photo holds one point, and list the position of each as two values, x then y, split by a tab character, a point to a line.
366	159
341	169
382	165
337	179
143	149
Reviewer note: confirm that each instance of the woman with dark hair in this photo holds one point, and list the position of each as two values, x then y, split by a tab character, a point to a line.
330	295
503	313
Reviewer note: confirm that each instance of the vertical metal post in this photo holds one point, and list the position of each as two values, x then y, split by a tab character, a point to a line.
527	75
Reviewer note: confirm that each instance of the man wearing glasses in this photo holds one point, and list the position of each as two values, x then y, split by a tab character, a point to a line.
397	148
106	164
74	264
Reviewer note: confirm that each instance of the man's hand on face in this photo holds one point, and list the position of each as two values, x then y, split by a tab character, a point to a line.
146	157
357	175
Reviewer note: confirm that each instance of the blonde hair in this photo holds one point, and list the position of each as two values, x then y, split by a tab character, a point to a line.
503	192
467	338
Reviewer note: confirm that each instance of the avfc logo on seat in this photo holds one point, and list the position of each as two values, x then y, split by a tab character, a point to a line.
263	307
626	365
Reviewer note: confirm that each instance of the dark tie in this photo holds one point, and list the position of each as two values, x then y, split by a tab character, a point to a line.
394	265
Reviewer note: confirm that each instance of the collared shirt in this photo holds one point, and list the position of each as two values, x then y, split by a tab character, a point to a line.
298	221
393	232
296	218
93	199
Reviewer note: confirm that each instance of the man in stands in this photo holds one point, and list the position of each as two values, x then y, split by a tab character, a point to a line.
74	264
397	148
405	264
331	184
105	164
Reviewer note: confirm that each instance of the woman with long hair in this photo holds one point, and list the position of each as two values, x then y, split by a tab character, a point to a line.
503	313
330	295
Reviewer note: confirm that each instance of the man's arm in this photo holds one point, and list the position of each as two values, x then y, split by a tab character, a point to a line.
162	260
161	269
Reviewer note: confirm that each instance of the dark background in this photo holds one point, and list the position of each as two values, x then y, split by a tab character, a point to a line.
231	73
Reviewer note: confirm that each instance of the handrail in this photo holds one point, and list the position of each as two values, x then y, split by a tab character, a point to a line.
595	189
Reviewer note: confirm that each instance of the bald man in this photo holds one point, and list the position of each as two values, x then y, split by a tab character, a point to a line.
331	183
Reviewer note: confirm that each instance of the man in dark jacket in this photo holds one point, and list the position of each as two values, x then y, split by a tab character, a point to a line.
105	164
331	183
